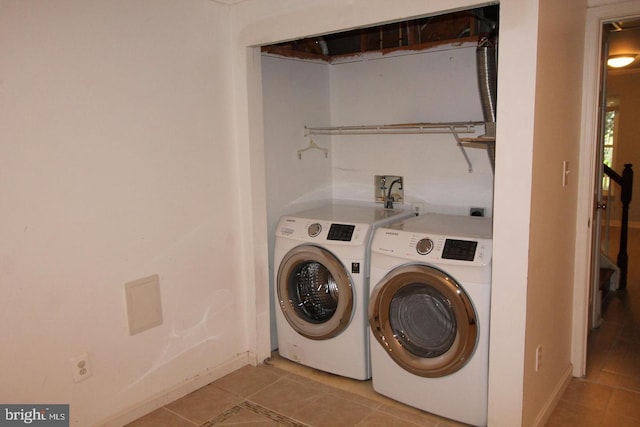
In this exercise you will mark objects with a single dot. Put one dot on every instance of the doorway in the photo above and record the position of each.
(587, 238)
(619, 103)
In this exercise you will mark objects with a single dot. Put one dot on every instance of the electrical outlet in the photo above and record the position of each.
(538, 357)
(80, 367)
(476, 211)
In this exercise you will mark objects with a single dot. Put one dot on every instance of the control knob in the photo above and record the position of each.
(314, 229)
(424, 246)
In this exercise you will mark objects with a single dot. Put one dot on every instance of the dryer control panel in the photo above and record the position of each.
(462, 250)
(438, 238)
(432, 247)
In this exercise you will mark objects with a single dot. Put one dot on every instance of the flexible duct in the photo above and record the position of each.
(486, 58)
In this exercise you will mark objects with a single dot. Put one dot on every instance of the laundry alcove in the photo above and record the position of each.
(425, 72)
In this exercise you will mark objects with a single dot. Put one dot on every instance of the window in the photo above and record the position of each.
(610, 134)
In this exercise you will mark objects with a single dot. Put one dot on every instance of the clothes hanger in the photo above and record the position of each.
(312, 146)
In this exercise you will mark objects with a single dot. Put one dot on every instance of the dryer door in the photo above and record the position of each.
(424, 320)
(315, 292)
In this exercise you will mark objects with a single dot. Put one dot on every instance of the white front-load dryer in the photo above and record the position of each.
(429, 314)
(321, 264)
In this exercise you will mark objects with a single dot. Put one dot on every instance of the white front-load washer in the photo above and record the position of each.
(321, 264)
(429, 314)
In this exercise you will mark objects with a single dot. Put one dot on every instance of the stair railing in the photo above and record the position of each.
(625, 181)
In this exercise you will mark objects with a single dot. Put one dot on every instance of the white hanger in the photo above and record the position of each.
(312, 146)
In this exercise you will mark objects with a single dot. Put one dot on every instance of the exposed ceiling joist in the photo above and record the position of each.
(415, 34)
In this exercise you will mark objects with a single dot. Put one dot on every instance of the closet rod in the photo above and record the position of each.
(405, 128)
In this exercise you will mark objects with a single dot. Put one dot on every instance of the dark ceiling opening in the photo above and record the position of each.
(415, 34)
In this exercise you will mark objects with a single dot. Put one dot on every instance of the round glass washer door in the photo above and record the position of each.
(424, 320)
(315, 292)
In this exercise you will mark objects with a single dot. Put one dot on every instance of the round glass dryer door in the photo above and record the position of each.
(424, 320)
(315, 292)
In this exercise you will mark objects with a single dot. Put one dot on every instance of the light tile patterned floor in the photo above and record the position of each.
(609, 395)
(282, 393)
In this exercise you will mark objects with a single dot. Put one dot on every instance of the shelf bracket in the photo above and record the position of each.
(461, 147)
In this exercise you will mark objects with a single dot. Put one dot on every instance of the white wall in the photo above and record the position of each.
(512, 208)
(295, 94)
(553, 206)
(439, 85)
(116, 162)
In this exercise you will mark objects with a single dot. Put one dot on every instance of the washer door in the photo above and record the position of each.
(315, 292)
(424, 320)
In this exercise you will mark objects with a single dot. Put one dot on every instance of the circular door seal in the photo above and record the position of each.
(424, 320)
(315, 292)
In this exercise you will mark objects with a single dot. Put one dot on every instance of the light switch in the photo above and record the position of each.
(565, 173)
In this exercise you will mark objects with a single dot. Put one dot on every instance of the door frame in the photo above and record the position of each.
(595, 18)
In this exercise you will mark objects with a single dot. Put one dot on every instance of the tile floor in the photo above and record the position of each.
(282, 393)
(609, 394)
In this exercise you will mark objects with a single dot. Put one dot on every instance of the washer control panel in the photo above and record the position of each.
(312, 230)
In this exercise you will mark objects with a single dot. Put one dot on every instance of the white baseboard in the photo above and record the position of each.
(160, 399)
(554, 398)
